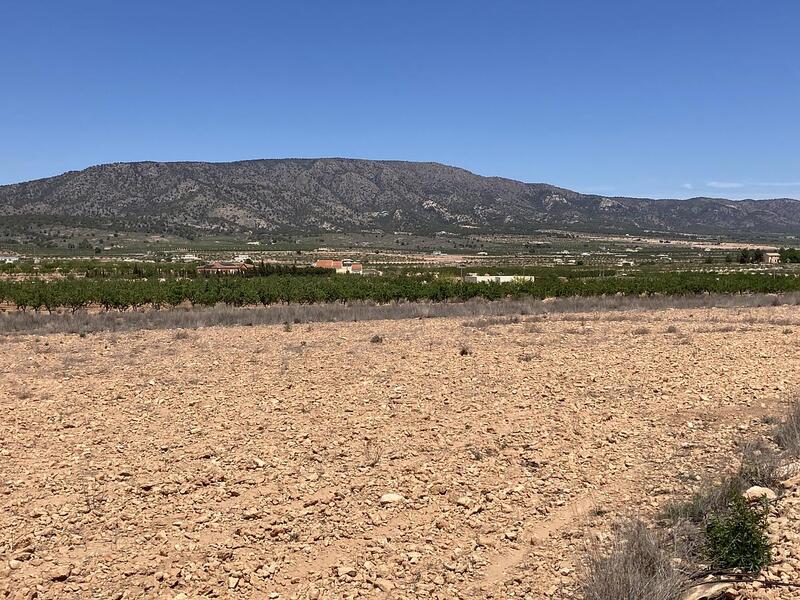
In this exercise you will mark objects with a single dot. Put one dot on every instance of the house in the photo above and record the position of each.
(486, 278)
(224, 268)
(772, 258)
(327, 263)
(352, 267)
(9, 259)
(340, 266)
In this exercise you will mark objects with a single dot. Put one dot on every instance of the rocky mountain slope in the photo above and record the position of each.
(334, 194)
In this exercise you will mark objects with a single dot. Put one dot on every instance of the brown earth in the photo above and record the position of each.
(251, 462)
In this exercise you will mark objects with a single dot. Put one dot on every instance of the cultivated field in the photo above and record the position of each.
(453, 458)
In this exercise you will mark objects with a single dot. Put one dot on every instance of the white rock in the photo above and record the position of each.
(757, 492)
(708, 590)
(391, 498)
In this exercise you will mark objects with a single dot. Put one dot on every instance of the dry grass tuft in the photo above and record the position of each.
(759, 465)
(486, 322)
(192, 318)
(638, 565)
(372, 454)
(787, 434)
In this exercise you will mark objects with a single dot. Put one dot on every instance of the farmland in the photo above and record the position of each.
(471, 458)
(293, 433)
(122, 294)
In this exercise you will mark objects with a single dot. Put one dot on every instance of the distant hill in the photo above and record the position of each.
(336, 194)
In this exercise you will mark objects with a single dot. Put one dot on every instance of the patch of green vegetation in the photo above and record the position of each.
(292, 285)
(736, 538)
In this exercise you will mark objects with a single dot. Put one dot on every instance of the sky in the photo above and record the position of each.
(669, 98)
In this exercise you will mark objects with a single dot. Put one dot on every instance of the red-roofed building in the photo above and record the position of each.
(340, 266)
(224, 268)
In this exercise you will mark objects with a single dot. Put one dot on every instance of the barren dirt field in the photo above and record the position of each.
(255, 462)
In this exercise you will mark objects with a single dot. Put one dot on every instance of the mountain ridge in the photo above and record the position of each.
(347, 194)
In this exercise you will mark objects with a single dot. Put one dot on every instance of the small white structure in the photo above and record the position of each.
(190, 258)
(772, 258)
(486, 278)
(351, 267)
(9, 259)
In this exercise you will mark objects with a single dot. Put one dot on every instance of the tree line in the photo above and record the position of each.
(122, 294)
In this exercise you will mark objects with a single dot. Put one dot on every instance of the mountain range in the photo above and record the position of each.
(347, 195)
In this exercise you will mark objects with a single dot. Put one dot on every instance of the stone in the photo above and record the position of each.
(391, 499)
(60, 573)
(346, 571)
(250, 514)
(384, 585)
(757, 493)
(707, 590)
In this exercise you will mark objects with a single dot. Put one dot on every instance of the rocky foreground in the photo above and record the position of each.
(453, 459)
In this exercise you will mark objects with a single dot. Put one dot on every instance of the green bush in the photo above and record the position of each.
(759, 466)
(736, 539)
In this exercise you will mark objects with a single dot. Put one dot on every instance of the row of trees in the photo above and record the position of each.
(96, 269)
(790, 255)
(751, 257)
(120, 294)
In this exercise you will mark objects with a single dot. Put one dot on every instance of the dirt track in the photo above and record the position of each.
(251, 461)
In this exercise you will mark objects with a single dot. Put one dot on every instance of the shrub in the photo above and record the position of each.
(759, 466)
(372, 454)
(376, 339)
(710, 499)
(638, 565)
(787, 435)
(737, 538)
(464, 350)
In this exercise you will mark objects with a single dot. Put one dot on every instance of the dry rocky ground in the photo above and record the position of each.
(453, 459)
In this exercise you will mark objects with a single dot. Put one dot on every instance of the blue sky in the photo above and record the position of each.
(660, 98)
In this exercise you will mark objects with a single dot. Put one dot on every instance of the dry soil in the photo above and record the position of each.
(454, 459)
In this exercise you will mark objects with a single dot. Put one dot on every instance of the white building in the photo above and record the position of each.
(772, 258)
(486, 278)
(9, 259)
